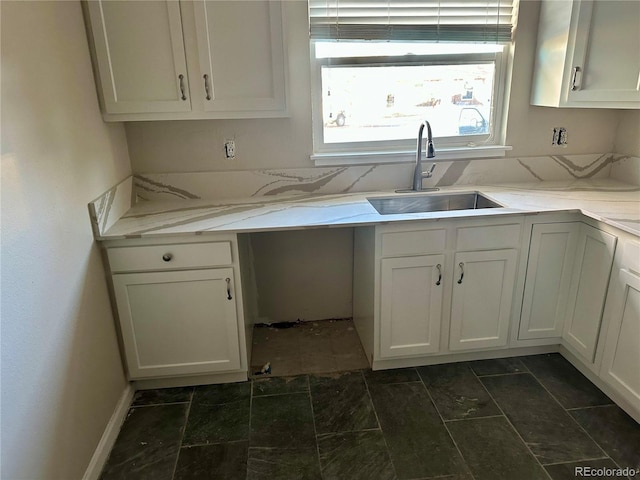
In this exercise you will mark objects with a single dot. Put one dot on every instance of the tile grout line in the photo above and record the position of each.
(315, 430)
(249, 433)
(330, 434)
(471, 418)
(576, 461)
(511, 424)
(184, 431)
(569, 414)
(384, 439)
(280, 394)
(158, 404)
(528, 370)
(444, 424)
(589, 407)
(211, 444)
(398, 383)
(499, 374)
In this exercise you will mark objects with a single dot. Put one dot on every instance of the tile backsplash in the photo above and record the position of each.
(362, 178)
(105, 210)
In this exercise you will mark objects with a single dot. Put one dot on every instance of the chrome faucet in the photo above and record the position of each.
(418, 174)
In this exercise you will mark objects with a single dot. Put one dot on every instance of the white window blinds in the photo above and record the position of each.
(476, 21)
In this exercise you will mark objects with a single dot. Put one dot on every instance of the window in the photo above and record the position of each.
(374, 82)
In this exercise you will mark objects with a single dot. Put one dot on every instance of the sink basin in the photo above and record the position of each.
(431, 203)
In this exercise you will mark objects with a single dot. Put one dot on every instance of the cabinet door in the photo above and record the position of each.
(176, 323)
(140, 55)
(482, 296)
(594, 257)
(607, 53)
(548, 278)
(241, 55)
(621, 360)
(410, 305)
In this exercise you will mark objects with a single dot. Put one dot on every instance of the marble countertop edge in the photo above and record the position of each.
(614, 203)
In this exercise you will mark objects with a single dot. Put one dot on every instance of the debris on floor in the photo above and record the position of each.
(265, 370)
(281, 325)
(298, 322)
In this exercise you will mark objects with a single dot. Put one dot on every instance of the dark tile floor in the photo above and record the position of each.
(514, 419)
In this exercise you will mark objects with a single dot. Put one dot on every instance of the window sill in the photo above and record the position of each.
(449, 154)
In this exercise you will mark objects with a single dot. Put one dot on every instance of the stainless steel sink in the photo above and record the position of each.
(431, 203)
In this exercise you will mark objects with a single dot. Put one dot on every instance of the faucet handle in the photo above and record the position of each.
(430, 172)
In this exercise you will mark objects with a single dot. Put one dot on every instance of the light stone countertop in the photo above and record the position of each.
(609, 201)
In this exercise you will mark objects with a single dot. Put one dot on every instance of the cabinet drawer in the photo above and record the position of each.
(488, 237)
(169, 257)
(413, 243)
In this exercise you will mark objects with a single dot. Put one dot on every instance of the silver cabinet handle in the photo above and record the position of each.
(181, 78)
(206, 87)
(461, 265)
(167, 257)
(228, 280)
(439, 267)
(574, 76)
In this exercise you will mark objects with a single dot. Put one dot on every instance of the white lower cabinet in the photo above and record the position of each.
(621, 358)
(410, 305)
(437, 287)
(178, 323)
(589, 283)
(548, 279)
(482, 298)
(179, 308)
(566, 281)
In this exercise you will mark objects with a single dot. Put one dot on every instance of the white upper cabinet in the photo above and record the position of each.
(241, 55)
(139, 50)
(189, 59)
(588, 54)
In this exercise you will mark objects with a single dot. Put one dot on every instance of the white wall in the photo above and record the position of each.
(61, 369)
(193, 146)
(306, 274)
(627, 141)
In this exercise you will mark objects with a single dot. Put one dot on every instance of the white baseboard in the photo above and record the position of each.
(462, 357)
(188, 381)
(109, 436)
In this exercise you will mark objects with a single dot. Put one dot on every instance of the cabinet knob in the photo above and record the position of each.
(439, 267)
(167, 257)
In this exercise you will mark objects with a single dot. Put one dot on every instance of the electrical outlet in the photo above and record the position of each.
(559, 137)
(230, 149)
